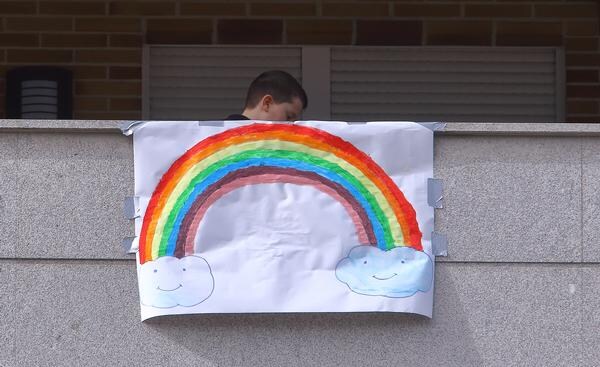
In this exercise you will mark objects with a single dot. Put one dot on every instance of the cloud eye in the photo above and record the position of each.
(365, 262)
(402, 261)
(155, 270)
(183, 269)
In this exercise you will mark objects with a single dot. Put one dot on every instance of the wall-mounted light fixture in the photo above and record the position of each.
(39, 92)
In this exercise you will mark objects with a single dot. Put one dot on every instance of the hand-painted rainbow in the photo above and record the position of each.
(261, 153)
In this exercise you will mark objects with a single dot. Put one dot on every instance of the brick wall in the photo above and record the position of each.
(101, 40)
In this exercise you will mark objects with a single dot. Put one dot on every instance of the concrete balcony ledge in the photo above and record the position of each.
(521, 212)
(451, 128)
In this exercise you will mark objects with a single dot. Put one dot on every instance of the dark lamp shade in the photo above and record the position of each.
(39, 92)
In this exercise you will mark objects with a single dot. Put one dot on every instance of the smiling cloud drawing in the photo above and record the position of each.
(399, 272)
(168, 282)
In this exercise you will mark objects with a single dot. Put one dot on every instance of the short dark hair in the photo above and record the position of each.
(279, 84)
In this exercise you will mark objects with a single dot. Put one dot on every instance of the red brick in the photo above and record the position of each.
(39, 24)
(470, 33)
(583, 91)
(583, 59)
(426, 10)
(88, 72)
(179, 31)
(592, 119)
(18, 40)
(385, 32)
(73, 7)
(17, 7)
(375, 9)
(141, 8)
(582, 28)
(90, 104)
(498, 10)
(319, 32)
(73, 40)
(125, 40)
(582, 107)
(249, 31)
(108, 24)
(582, 76)
(529, 34)
(581, 44)
(125, 104)
(209, 9)
(283, 9)
(39, 56)
(107, 88)
(125, 72)
(108, 56)
(566, 10)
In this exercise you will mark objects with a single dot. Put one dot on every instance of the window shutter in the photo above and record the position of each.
(499, 84)
(446, 84)
(207, 83)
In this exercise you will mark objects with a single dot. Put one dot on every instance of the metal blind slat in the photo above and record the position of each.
(443, 108)
(444, 117)
(465, 99)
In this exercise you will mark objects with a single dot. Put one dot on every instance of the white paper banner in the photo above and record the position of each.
(240, 217)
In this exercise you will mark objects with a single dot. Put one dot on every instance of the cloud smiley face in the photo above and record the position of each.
(400, 272)
(168, 282)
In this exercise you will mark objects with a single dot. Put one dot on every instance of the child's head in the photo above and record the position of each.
(275, 96)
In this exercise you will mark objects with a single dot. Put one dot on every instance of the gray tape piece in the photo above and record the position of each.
(128, 127)
(211, 123)
(439, 243)
(131, 207)
(435, 193)
(130, 245)
(434, 126)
